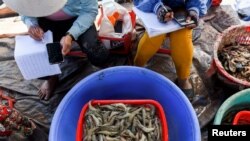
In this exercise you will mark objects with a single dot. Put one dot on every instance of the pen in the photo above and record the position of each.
(43, 40)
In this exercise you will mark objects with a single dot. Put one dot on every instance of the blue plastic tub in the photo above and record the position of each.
(127, 82)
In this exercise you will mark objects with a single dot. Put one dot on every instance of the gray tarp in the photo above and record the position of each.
(212, 94)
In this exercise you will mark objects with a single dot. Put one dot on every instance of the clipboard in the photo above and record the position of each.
(180, 17)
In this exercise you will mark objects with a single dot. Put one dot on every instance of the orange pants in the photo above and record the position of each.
(181, 46)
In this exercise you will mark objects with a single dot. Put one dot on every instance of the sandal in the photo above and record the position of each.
(188, 92)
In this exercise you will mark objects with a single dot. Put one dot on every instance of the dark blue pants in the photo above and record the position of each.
(96, 52)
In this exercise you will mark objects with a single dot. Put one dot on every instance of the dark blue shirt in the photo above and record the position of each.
(200, 6)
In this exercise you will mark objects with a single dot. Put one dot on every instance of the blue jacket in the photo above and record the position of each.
(200, 6)
(85, 10)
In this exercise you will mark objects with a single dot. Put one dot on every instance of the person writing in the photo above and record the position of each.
(180, 41)
(69, 20)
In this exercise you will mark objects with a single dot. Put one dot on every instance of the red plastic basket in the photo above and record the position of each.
(160, 112)
(242, 118)
(234, 34)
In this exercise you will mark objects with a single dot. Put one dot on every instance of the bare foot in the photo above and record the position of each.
(187, 88)
(184, 84)
(48, 88)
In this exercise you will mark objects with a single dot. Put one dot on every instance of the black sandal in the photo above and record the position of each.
(188, 92)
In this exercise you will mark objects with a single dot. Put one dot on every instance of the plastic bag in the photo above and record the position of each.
(113, 12)
(243, 9)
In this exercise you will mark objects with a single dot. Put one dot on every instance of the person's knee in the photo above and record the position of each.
(185, 32)
(97, 53)
(181, 38)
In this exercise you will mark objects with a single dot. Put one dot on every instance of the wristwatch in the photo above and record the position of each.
(70, 35)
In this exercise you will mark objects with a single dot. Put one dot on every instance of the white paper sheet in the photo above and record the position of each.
(32, 58)
(153, 26)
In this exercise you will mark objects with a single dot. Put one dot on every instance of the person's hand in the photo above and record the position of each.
(192, 15)
(164, 14)
(36, 32)
(66, 43)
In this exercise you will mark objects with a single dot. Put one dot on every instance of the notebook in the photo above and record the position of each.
(32, 58)
(152, 24)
